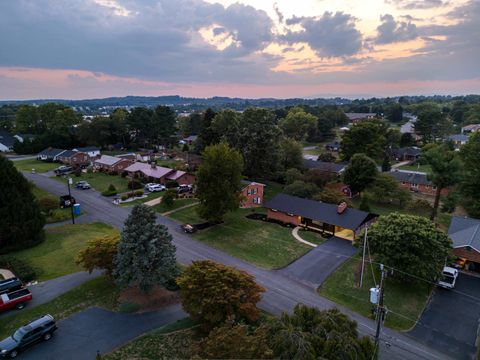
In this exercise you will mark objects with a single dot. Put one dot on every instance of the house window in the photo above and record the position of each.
(434, 187)
(249, 191)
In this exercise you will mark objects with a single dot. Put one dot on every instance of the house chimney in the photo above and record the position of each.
(341, 207)
(153, 165)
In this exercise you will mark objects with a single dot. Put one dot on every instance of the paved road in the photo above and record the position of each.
(282, 294)
(451, 319)
(314, 267)
(82, 334)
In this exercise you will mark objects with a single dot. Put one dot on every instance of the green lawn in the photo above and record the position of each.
(56, 255)
(57, 215)
(315, 151)
(261, 243)
(39, 166)
(311, 236)
(99, 181)
(173, 341)
(422, 168)
(97, 292)
(161, 208)
(405, 299)
(150, 196)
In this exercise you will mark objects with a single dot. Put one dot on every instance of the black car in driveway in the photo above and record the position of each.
(41, 329)
(66, 201)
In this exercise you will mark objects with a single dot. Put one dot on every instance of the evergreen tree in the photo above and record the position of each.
(22, 222)
(146, 255)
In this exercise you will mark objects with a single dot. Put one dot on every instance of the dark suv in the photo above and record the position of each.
(38, 330)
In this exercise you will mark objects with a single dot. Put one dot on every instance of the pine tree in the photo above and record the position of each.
(22, 222)
(146, 255)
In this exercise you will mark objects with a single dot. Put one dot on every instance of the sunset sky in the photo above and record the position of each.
(250, 48)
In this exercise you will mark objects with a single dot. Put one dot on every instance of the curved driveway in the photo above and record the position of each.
(282, 292)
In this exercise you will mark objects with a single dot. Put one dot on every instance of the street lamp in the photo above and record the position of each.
(70, 182)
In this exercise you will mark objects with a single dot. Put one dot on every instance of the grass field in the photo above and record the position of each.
(261, 243)
(173, 341)
(408, 300)
(57, 215)
(422, 168)
(311, 236)
(56, 255)
(161, 208)
(39, 166)
(97, 292)
(99, 181)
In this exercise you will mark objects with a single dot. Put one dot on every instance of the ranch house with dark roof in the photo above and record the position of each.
(330, 219)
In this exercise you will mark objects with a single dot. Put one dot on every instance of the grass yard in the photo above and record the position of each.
(150, 196)
(161, 208)
(99, 181)
(172, 164)
(422, 168)
(261, 243)
(97, 292)
(39, 166)
(56, 255)
(173, 341)
(405, 299)
(56, 215)
(315, 151)
(311, 236)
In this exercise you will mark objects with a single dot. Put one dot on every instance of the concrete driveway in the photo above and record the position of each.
(314, 267)
(81, 335)
(450, 320)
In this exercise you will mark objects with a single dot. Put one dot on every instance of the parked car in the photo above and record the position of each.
(190, 229)
(62, 170)
(449, 277)
(182, 189)
(28, 335)
(152, 187)
(82, 185)
(66, 201)
(10, 285)
(15, 299)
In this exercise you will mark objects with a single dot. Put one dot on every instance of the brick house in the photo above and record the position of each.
(355, 118)
(74, 158)
(328, 168)
(465, 235)
(111, 164)
(416, 182)
(411, 153)
(91, 151)
(252, 194)
(329, 219)
(160, 174)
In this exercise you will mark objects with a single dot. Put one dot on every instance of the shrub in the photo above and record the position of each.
(99, 254)
(419, 207)
(111, 191)
(89, 170)
(20, 268)
(125, 197)
(128, 307)
(124, 174)
(171, 184)
(138, 193)
(48, 204)
(58, 215)
(169, 197)
(78, 172)
(134, 184)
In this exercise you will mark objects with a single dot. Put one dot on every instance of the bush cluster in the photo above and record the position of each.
(19, 267)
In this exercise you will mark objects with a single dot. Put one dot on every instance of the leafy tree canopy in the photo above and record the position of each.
(360, 172)
(470, 155)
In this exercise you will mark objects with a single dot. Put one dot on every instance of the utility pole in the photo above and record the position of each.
(380, 307)
(69, 182)
(363, 256)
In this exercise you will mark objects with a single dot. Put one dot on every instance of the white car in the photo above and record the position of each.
(152, 187)
(449, 277)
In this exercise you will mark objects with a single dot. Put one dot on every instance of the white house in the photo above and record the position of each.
(6, 141)
(92, 151)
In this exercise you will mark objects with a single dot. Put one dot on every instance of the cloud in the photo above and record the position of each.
(391, 31)
(330, 35)
(417, 4)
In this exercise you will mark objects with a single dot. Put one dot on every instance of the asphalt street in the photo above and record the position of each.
(314, 267)
(81, 335)
(450, 321)
(282, 292)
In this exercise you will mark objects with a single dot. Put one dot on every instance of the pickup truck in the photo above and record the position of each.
(62, 170)
(10, 285)
(15, 299)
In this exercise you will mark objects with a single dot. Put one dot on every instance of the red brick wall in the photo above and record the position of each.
(423, 189)
(247, 199)
(79, 158)
(121, 165)
(287, 219)
(186, 179)
(470, 255)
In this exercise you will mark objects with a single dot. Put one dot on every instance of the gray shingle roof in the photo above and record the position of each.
(107, 160)
(68, 153)
(465, 232)
(324, 166)
(319, 211)
(410, 177)
(407, 151)
(6, 139)
(52, 152)
(458, 137)
(88, 148)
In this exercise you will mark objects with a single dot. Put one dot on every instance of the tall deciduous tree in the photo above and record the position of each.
(445, 170)
(146, 254)
(212, 293)
(297, 124)
(21, 221)
(470, 155)
(310, 333)
(291, 154)
(432, 123)
(385, 189)
(99, 254)
(165, 125)
(411, 244)
(360, 172)
(219, 182)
